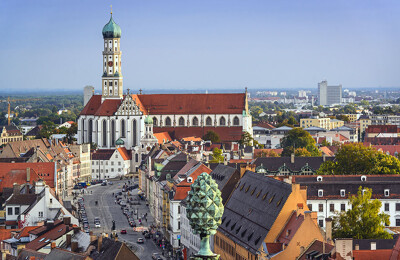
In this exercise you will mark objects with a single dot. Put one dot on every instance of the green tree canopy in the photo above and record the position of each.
(363, 220)
(298, 138)
(217, 156)
(211, 136)
(359, 159)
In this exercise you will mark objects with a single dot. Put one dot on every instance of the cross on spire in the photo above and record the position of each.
(111, 8)
(140, 91)
(128, 90)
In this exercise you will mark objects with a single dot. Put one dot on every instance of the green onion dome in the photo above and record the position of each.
(120, 142)
(148, 120)
(111, 30)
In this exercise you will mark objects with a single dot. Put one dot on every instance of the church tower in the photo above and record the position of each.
(112, 76)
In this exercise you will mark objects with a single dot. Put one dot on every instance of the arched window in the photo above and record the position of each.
(112, 133)
(83, 131)
(168, 121)
(208, 121)
(104, 133)
(195, 121)
(122, 128)
(235, 120)
(90, 130)
(134, 133)
(222, 121)
(155, 122)
(181, 121)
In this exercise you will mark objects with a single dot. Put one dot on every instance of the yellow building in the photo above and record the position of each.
(9, 133)
(261, 213)
(364, 123)
(352, 117)
(325, 123)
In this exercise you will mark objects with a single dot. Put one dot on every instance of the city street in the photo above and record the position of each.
(108, 210)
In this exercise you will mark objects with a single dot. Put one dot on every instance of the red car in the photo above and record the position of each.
(123, 231)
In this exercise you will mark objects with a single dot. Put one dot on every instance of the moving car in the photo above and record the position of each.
(123, 231)
(97, 224)
(140, 240)
(110, 183)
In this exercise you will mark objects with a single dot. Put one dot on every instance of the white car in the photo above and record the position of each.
(97, 224)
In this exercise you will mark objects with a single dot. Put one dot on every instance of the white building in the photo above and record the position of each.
(110, 163)
(329, 95)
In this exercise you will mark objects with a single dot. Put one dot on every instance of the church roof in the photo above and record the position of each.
(174, 104)
(232, 133)
(108, 107)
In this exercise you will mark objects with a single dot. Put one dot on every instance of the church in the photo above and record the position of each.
(117, 118)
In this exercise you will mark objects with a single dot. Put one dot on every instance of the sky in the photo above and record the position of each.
(203, 44)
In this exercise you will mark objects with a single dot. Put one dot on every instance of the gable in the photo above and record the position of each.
(129, 107)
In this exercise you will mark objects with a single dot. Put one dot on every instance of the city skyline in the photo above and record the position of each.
(203, 45)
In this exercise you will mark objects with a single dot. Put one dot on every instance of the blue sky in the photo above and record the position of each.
(207, 44)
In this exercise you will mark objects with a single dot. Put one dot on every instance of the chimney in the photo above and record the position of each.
(74, 246)
(16, 188)
(357, 247)
(324, 157)
(69, 238)
(67, 221)
(53, 245)
(30, 258)
(328, 230)
(28, 174)
(292, 158)
(299, 209)
(225, 160)
(99, 243)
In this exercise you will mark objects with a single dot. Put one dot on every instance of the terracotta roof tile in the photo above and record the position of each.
(163, 137)
(233, 133)
(103, 154)
(372, 254)
(48, 237)
(173, 104)
(108, 107)
(6, 233)
(25, 231)
(124, 153)
(92, 106)
(191, 138)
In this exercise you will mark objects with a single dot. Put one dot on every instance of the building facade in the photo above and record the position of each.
(329, 95)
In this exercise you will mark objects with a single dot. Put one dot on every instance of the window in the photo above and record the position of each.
(386, 206)
(342, 207)
(320, 193)
(40, 214)
(51, 201)
(397, 206)
(386, 192)
(16, 210)
(119, 163)
(321, 207)
(235, 120)
(208, 121)
(122, 128)
(112, 162)
(181, 121)
(155, 122)
(9, 211)
(179, 209)
(363, 178)
(179, 225)
(342, 193)
(310, 207)
(332, 207)
(321, 222)
(397, 222)
(195, 121)
(168, 121)
(222, 121)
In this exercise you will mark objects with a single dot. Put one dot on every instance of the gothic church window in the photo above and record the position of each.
(104, 133)
(181, 121)
(195, 121)
(90, 131)
(155, 122)
(168, 121)
(134, 132)
(235, 120)
(208, 121)
(112, 133)
(122, 128)
(222, 121)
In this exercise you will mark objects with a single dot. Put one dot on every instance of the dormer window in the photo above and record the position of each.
(320, 193)
(189, 179)
(342, 193)
(386, 192)
(319, 178)
(363, 178)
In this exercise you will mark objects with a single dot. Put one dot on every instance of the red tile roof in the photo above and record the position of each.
(174, 104)
(274, 248)
(184, 186)
(92, 105)
(372, 254)
(233, 133)
(11, 173)
(25, 231)
(124, 153)
(382, 129)
(291, 228)
(266, 125)
(325, 150)
(103, 154)
(163, 137)
(191, 138)
(181, 192)
(48, 237)
(108, 107)
(6, 233)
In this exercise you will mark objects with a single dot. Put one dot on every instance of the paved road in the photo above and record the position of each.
(107, 210)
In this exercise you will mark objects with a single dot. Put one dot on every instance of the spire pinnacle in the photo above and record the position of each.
(111, 9)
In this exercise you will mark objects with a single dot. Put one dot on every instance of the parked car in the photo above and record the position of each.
(104, 184)
(140, 240)
(110, 183)
(156, 256)
(97, 224)
(123, 231)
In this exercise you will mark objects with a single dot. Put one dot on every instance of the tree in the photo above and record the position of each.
(364, 103)
(71, 132)
(302, 152)
(362, 220)
(343, 118)
(217, 156)
(298, 138)
(47, 130)
(211, 136)
(246, 139)
(325, 143)
(359, 159)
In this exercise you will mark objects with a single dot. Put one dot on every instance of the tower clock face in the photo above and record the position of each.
(110, 63)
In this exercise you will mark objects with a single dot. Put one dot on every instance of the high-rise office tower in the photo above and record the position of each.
(329, 95)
